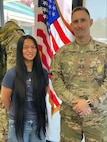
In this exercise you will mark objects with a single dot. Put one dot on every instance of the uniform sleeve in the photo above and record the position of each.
(57, 80)
(100, 96)
(9, 78)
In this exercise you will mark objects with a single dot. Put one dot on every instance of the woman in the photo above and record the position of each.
(23, 91)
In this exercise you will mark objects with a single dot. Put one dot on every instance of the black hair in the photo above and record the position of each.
(39, 90)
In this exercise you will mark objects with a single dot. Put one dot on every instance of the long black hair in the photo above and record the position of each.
(39, 90)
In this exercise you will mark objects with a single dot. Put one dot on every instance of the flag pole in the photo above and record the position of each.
(2, 14)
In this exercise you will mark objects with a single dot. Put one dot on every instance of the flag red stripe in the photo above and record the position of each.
(53, 98)
(43, 57)
(55, 46)
(43, 36)
(40, 17)
(61, 33)
(44, 60)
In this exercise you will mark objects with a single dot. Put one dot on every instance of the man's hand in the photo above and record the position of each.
(81, 107)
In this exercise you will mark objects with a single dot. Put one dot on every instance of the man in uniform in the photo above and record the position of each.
(79, 78)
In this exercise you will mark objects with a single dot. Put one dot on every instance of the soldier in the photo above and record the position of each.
(79, 77)
(9, 35)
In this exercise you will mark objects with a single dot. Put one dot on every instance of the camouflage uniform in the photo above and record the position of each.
(79, 71)
(3, 123)
(9, 35)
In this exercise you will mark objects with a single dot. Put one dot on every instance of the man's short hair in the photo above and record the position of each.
(78, 8)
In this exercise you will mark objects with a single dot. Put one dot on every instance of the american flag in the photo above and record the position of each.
(52, 33)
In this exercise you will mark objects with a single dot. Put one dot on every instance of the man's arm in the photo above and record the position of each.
(57, 80)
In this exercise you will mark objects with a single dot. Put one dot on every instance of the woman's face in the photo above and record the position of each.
(29, 50)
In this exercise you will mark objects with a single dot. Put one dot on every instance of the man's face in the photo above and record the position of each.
(81, 23)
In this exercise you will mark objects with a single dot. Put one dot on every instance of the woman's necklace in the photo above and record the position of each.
(29, 78)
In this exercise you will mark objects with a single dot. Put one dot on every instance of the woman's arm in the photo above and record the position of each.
(6, 96)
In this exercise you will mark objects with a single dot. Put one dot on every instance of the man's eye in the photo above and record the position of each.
(75, 22)
(83, 20)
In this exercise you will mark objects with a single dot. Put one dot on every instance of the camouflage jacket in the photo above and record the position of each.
(79, 71)
(9, 36)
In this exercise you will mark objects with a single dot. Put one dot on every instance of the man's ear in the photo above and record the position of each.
(91, 22)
